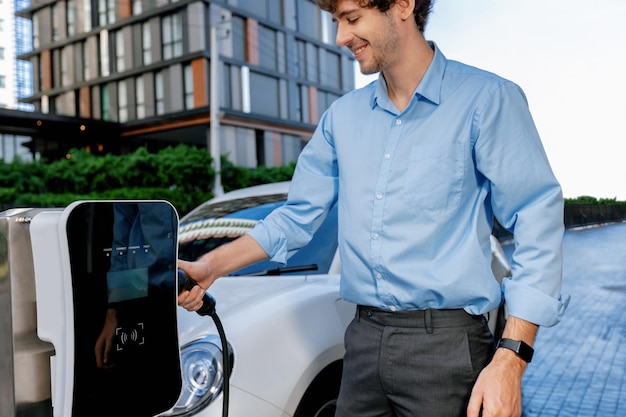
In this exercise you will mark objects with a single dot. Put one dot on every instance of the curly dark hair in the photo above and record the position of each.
(421, 11)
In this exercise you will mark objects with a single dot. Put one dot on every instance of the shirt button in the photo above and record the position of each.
(387, 156)
(378, 275)
(375, 236)
(398, 122)
(393, 308)
(379, 196)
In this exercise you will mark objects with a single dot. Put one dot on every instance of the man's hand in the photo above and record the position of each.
(191, 298)
(498, 389)
(219, 262)
(104, 342)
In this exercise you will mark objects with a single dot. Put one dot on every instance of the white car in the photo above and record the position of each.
(284, 325)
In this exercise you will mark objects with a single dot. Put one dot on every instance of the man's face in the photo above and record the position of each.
(370, 35)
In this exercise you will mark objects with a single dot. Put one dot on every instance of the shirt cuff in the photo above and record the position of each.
(533, 305)
(271, 241)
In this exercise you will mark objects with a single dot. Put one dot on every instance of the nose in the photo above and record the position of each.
(343, 35)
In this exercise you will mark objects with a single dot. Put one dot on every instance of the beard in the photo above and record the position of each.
(383, 47)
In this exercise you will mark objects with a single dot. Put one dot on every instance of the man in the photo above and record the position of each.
(419, 163)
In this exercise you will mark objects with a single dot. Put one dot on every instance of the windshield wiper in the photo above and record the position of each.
(280, 271)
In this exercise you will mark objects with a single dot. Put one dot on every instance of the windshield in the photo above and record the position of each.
(212, 225)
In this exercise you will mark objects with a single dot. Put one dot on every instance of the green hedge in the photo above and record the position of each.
(181, 175)
(585, 199)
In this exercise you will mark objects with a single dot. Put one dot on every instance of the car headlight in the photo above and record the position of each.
(203, 376)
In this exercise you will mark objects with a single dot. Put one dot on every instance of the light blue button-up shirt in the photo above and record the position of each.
(417, 191)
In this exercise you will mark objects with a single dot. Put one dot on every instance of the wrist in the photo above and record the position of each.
(521, 349)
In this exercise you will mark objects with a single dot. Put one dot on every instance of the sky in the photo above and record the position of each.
(569, 57)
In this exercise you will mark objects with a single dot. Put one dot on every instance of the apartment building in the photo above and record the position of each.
(7, 56)
(14, 77)
(23, 42)
(146, 65)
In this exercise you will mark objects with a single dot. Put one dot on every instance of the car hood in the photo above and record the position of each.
(243, 295)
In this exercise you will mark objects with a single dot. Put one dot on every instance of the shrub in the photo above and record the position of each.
(181, 175)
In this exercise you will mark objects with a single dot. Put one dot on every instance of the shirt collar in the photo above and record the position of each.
(430, 86)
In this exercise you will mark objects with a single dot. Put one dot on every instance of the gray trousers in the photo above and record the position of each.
(414, 363)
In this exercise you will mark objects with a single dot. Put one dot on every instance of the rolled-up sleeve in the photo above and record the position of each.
(312, 192)
(527, 200)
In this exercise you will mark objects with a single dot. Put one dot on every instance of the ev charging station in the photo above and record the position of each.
(88, 322)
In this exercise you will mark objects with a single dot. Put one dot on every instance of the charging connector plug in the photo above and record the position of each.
(208, 301)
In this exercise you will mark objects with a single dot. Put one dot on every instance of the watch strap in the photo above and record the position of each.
(521, 349)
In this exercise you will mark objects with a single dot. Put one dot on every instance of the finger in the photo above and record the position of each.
(107, 352)
(191, 300)
(184, 265)
(98, 351)
(185, 299)
(474, 406)
(198, 297)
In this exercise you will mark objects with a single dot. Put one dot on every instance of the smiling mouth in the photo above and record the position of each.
(357, 52)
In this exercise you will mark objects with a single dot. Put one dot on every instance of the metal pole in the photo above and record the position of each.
(214, 145)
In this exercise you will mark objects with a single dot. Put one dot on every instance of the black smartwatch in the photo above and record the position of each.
(521, 349)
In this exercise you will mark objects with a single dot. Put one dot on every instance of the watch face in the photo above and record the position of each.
(526, 352)
(523, 350)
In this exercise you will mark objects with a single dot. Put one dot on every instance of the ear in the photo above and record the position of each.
(405, 8)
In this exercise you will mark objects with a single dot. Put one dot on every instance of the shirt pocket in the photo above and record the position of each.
(434, 179)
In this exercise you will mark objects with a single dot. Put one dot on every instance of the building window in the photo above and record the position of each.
(331, 70)
(188, 75)
(3, 81)
(172, 32)
(312, 62)
(85, 55)
(291, 148)
(39, 69)
(329, 31)
(55, 22)
(238, 37)
(275, 11)
(159, 93)
(86, 15)
(301, 63)
(137, 7)
(2, 53)
(146, 43)
(14, 146)
(268, 56)
(35, 30)
(324, 100)
(106, 12)
(65, 61)
(104, 102)
(308, 18)
(122, 102)
(105, 70)
(140, 98)
(266, 9)
(264, 94)
(256, 7)
(70, 14)
(119, 51)
(304, 103)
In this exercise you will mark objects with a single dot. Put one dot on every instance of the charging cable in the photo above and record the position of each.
(208, 309)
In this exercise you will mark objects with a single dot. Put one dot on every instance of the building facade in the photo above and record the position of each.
(8, 98)
(15, 76)
(147, 66)
(23, 41)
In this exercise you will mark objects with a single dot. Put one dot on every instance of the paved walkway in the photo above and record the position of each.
(579, 368)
